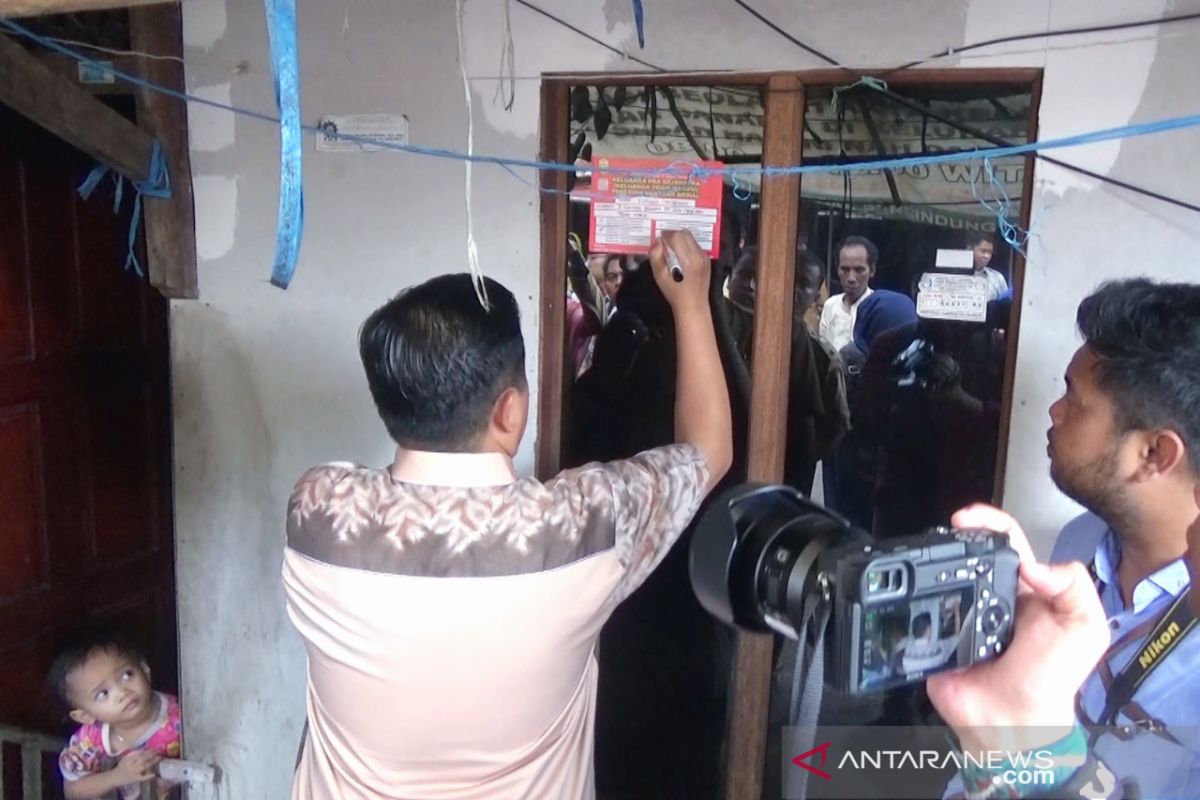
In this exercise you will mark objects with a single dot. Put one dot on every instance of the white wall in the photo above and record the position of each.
(267, 382)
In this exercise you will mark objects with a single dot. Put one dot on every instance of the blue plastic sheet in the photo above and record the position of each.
(281, 28)
(157, 184)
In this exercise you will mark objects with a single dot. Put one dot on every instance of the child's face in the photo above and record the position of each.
(110, 687)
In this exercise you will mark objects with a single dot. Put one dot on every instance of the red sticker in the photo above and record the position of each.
(628, 211)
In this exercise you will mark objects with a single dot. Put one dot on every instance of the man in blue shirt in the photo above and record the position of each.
(1125, 443)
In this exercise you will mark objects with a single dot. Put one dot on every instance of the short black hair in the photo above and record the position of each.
(980, 236)
(922, 624)
(864, 243)
(807, 262)
(1146, 336)
(436, 360)
(76, 649)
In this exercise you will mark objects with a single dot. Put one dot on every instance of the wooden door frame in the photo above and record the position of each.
(782, 144)
(35, 87)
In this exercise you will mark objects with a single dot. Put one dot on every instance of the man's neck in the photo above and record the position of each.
(1147, 547)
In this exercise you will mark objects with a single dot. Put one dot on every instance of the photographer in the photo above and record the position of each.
(1125, 444)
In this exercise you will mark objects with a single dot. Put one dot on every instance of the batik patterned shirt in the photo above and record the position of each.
(450, 614)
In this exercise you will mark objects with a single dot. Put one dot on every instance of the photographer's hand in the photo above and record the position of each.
(986, 517)
(1024, 699)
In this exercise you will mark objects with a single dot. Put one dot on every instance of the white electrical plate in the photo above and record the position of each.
(390, 128)
(96, 72)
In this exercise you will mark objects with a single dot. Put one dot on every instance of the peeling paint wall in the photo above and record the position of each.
(267, 382)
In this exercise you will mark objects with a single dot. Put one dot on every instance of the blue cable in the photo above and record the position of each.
(999, 205)
(676, 168)
(679, 167)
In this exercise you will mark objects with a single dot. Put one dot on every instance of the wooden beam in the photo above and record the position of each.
(37, 8)
(35, 91)
(928, 78)
(553, 375)
(170, 221)
(750, 690)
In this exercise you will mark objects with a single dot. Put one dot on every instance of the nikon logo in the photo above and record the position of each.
(1156, 647)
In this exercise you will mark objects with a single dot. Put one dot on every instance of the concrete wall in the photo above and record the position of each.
(267, 382)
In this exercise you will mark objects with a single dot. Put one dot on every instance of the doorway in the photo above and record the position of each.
(86, 536)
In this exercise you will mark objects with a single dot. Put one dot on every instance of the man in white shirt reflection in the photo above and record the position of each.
(857, 258)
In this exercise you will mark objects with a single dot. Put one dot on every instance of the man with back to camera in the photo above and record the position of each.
(1124, 443)
(857, 258)
(450, 610)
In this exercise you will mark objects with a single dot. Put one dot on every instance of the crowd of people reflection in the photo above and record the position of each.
(898, 414)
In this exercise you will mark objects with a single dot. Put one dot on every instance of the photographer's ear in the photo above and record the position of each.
(1160, 453)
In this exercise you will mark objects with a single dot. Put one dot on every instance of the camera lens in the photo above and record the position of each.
(993, 620)
(753, 557)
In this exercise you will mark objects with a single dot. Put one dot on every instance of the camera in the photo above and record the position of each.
(765, 558)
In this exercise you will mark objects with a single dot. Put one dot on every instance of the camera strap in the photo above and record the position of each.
(808, 684)
(1169, 630)
(818, 611)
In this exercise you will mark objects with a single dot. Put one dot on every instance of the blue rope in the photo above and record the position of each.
(281, 30)
(740, 190)
(92, 181)
(639, 19)
(1001, 206)
(292, 201)
(679, 167)
(156, 184)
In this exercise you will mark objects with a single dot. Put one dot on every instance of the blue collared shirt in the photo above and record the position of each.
(1171, 694)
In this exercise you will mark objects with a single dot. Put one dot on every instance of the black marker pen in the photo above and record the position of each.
(674, 266)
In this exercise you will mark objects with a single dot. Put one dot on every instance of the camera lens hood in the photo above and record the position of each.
(732, 541)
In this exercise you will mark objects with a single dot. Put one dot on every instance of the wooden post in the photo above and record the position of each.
(552, 356)
(750, 689)
(170, 222)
